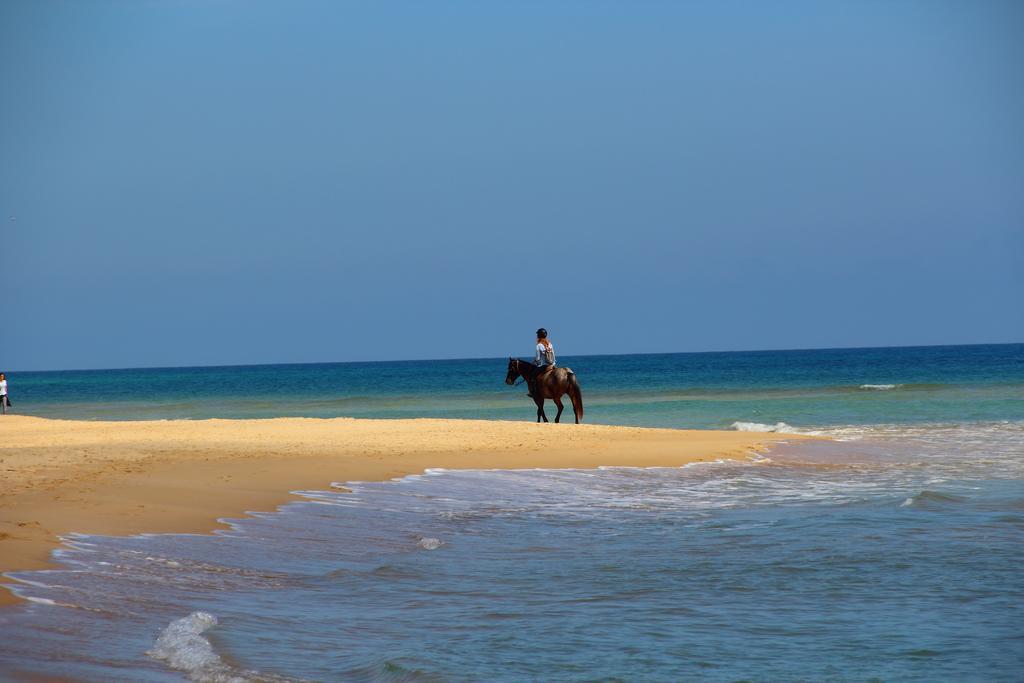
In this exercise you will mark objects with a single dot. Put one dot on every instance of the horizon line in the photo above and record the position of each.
(576, 355)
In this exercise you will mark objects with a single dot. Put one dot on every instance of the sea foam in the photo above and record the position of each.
(780, 427)
(183, 647)
(879, 387)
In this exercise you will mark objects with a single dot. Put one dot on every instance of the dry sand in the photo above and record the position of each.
(62, 476)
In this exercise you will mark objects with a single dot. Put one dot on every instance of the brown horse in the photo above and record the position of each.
(550, 383)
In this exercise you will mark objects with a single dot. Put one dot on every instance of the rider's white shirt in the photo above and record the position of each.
(538, 358)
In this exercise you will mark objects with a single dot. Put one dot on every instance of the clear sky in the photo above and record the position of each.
(188, 182)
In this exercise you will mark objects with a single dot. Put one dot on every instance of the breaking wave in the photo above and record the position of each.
(779, 427)
(879, 387)
(932, 499)
(182, 646)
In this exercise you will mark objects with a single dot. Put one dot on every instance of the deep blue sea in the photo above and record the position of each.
(892, 552)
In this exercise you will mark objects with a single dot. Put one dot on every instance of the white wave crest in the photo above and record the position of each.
(879, 387)
(780, 427)
(41, 601)
(430, 543)
(183, 647)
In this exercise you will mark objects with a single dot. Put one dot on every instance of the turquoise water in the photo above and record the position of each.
(891, 553)
(702, 390)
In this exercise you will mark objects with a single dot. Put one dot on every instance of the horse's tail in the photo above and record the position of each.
(575, 396)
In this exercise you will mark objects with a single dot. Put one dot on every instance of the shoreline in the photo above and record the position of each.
(182, 476)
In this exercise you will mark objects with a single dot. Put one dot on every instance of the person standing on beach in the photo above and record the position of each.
(544, 358)
(3, 393)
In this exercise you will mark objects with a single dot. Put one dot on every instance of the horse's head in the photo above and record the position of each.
(513, 371)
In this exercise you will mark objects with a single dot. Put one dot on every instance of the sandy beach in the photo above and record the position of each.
(61, 476)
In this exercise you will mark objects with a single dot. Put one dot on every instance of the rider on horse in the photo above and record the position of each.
(544, 358)
(546, 382)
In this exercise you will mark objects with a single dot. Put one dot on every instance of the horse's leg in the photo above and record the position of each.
(558, 402)
(540, 408)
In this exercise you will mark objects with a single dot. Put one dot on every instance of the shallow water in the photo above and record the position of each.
(891, 553)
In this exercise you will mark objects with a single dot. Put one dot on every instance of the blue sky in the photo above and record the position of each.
(247, 182)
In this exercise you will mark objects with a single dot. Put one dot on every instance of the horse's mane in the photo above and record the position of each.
(529, 364)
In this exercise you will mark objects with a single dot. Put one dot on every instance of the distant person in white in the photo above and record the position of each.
(3, 393)
(545, 355)
(544, 358)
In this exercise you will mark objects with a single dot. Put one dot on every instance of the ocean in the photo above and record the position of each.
(891, 552)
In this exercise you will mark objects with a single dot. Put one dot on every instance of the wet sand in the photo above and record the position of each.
(115, 478)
